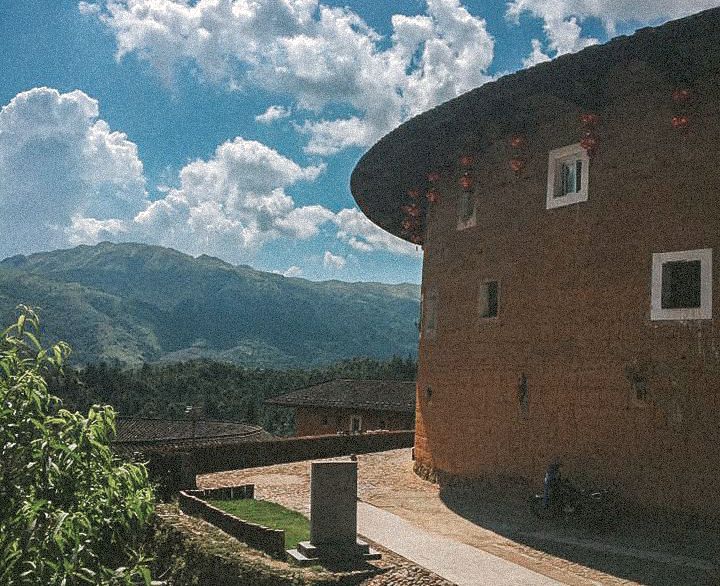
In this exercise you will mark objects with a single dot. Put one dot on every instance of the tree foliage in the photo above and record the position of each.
(219, 390)
(71, 512)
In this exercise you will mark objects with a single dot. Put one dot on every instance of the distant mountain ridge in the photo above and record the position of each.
(132, 303)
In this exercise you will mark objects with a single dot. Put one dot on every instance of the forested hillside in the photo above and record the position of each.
(216, 390)
(129, 304)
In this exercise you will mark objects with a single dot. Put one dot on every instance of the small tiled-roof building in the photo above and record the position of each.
(351, 406)
(157, 435)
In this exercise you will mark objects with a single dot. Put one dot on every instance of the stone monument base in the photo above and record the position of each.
(308, 554)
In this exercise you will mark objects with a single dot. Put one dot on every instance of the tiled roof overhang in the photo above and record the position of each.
(682, 51)
(139, 430)
(374, 395)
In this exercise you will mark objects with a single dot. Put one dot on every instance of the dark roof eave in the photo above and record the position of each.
(433, 139)
(328, 405)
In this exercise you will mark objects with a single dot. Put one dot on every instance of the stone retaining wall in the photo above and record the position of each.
(177, 468)
(191, 502)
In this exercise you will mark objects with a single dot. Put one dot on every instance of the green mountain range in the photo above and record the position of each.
(134, 303)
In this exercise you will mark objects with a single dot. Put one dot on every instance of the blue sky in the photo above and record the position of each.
(143, 119)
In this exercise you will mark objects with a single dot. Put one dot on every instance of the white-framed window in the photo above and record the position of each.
(466, 210)
(568, 176)
(489, 299)
(681, 285)
(355, 424)
(429, 313)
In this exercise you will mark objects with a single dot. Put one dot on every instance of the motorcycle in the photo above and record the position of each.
(561, 499)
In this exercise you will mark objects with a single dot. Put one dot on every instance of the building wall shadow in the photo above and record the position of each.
(647, 547)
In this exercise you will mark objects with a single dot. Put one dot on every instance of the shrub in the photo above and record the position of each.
(71, 512)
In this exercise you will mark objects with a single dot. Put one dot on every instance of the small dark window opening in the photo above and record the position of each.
(578, 176)
(640, 388)
(466, 207)
(325, 420)
(523, 395)
(489, 301)
(680, 284)
(428, 393)
(570, 178)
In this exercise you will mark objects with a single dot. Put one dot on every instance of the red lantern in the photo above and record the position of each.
(413, 193)
(589, 119)
(681, 95)
(433, 196)
(467, 161)
(517, 141)
(466, 182)
(680, 122)
(517, 165)
(589, 142)
(412, 210)
(408, 225)
(433, 177)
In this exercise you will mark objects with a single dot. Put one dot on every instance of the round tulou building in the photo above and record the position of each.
(570, 220)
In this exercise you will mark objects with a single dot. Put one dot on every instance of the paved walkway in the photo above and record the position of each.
(500, 527)
(449, 559)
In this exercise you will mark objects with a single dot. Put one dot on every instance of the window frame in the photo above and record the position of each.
(555, 159)
(657, 312)
(471, 220)
(483, 284)
(429, 305)
(353, 419)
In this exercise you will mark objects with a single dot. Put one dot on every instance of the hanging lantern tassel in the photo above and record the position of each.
(680, 122)
(589, 140)
(411, 210)
(408, 225)
(518, 142)
(589, 120)
(466, 181)
(681, 95)
(681, 119)
(517, 165)
(467, 161)
(433, 196)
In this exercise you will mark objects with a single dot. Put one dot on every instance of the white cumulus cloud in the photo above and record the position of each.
(358, 232)
(272, 114)
(332, 261)
(293, 271)
(92, 230)
(65, 175)
(562, 19)
(318, 55)
(66, 178)
(88, 8)
(536, 56)
(233, 203)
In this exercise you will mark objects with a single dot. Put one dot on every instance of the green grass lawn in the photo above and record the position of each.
(296, 527)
